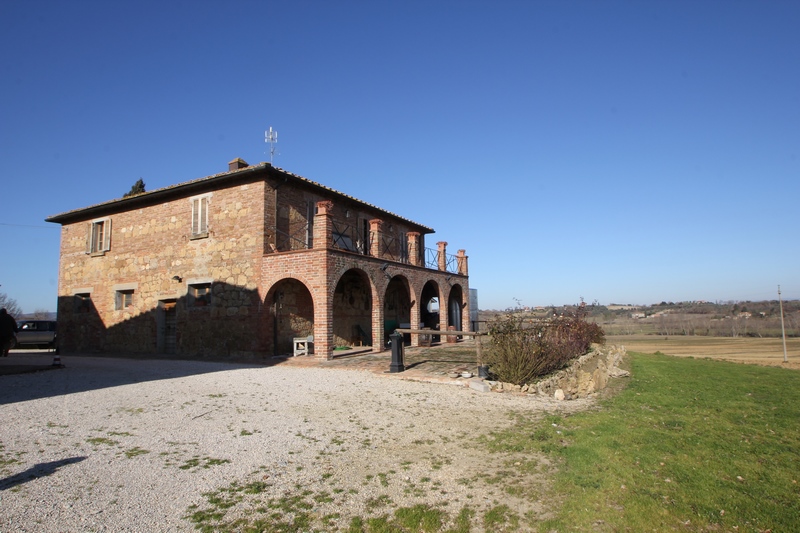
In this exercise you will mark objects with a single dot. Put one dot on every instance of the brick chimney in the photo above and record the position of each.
(237, 163)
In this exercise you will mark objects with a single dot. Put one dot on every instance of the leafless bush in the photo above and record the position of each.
(522, 350)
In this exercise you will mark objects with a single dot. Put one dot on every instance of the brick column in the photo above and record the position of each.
(323, 307)
(323, 330)
(413, 248)
(414, 320)
(323, 226)
(376, 237)
(378, 341)
(461, 259)
(442, 255)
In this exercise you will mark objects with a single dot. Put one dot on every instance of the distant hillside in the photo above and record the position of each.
(719, 319)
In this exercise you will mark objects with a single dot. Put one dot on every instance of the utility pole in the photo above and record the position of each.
(783, 329)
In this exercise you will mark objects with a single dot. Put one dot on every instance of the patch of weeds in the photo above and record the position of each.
(323, 497)
(330, 519)
(131, 410)
(463, 521)
(54, 425)
(202, 462)
(7, 459)
(312, 439)
(420, 517)
(221, 395)
(133, 452)
(381, 501)
(326, 476)
(501, 518)
(244, 433)
(384, 478)
(120, 434)
(96, 441)
(337, 441)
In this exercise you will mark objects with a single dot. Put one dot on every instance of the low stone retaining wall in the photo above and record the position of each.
(588, 374)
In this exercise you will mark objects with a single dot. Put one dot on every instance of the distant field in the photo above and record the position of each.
(753, 350)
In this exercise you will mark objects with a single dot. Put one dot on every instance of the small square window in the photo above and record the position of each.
(123, 299)
(83, 303)
(199, 295)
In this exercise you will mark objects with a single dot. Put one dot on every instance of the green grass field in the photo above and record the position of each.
(688, 445)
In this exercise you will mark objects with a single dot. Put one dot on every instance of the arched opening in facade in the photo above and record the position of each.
(292, 314)
(352, 310)
(429, 306)
(455, 303)
(397, 308)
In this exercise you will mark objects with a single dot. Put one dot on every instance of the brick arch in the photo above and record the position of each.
(398, 305)
(290, 311)
(455, 306)
(353, 300)
(428, 318)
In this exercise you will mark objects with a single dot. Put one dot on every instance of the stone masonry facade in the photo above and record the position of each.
(244, 262)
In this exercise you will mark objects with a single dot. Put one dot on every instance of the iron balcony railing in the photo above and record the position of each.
(347, 237)
(432, 261)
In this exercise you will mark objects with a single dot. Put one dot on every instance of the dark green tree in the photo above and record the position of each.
(138, 188)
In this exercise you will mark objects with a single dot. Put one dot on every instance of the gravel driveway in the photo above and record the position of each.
(145, 445)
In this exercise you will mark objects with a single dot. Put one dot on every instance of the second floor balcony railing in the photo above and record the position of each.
(348, 238)
(288, 242)
(433, 261)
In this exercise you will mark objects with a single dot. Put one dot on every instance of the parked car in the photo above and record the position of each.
(37, 333)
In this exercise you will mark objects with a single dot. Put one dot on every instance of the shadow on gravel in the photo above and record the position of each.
(21, 379)
(37, 471)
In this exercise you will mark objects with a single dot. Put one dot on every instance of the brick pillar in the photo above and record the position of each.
(413, 248)
(323, 226)
(461, 259)
(376, 237)
(378, 341)
(442, 255)
(323, 330)
(323, 307)
(414, 320)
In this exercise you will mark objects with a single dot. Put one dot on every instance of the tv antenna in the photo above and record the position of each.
(271, 137)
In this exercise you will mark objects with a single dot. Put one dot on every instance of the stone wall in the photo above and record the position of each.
(588, 374)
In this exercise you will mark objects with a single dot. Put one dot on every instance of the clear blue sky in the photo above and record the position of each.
(626, 152)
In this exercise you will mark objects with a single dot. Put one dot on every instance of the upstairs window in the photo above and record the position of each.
(99, 240)
(200, 217)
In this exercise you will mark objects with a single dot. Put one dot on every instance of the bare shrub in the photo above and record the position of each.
(522, 350)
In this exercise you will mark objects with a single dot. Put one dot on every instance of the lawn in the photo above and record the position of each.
(688, 445)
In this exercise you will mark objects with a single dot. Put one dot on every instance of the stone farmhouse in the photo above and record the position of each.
(247, 263)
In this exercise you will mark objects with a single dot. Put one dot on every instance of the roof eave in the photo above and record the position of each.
(151, 197)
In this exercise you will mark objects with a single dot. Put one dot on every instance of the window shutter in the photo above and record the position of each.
(107, 235)
(204, 215)
(195, 203)
(89, 231)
